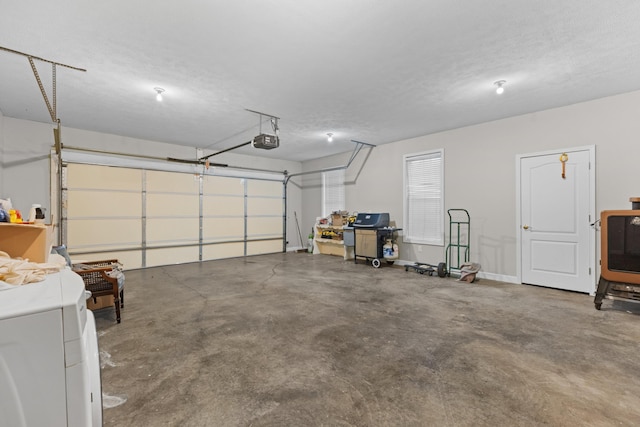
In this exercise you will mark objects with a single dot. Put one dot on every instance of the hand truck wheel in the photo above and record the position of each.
(442, 269)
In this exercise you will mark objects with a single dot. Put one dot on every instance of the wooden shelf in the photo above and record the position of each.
(331, 227)
(328, 246)
(330, 241)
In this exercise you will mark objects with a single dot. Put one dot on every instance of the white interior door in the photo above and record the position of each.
(555, 214)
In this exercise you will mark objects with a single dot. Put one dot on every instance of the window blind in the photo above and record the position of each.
(423, 198)
(332, 192)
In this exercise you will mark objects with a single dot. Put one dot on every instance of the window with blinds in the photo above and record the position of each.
(332, 192)
(424, 198)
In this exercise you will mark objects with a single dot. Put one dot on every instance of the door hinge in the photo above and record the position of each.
(589, 271)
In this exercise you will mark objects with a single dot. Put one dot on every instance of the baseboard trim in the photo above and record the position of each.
(498, 277)
(481, 274)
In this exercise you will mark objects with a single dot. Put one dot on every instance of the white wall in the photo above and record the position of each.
(480, 170)
(25, 170)
(25, 162)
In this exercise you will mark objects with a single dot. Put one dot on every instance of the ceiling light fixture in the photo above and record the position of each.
(330, 137)
(500, 86)
(159, 91)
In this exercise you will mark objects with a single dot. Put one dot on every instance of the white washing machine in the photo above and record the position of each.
(49, 360)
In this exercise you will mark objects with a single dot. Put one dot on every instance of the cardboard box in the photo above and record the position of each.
(100, 302)
(337, 220)
(28, 241)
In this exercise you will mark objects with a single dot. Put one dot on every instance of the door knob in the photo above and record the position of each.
(526, 227)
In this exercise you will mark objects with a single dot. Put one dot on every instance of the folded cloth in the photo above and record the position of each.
(468, 271)
(118, 274)
(18, 271)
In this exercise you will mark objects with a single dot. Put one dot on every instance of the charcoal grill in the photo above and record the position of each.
(371, 230)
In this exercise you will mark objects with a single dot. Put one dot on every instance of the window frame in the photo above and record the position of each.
(437, 237)
(340, 188)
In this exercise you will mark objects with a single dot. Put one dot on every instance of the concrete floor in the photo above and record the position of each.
(311, 340)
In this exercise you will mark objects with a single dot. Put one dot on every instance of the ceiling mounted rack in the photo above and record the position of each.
(51, 106)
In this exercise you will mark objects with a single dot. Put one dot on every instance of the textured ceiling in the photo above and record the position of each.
(369, 70)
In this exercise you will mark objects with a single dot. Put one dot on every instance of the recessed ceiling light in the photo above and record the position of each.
(159, 91)
(330, 137)
(500, 86)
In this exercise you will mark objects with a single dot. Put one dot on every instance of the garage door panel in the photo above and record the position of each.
(222, 205)
(101, 233)
(223, 250)
(264, 226)
(172, 182)
(103, 204)
(172, 205)
(223, 185)
(222, 228)
(172, 230)
(264, 206)
(264, 188)
(129, 259)
(264, 247)
(172, 256)
(103, 177)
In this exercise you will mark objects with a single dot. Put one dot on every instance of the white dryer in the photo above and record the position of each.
(49, 360)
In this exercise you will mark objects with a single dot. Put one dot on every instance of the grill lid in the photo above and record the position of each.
(372, 220)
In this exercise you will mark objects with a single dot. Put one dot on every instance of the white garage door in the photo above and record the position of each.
(103, 211)
(172, 218)
(147, 218)
(223, 226)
